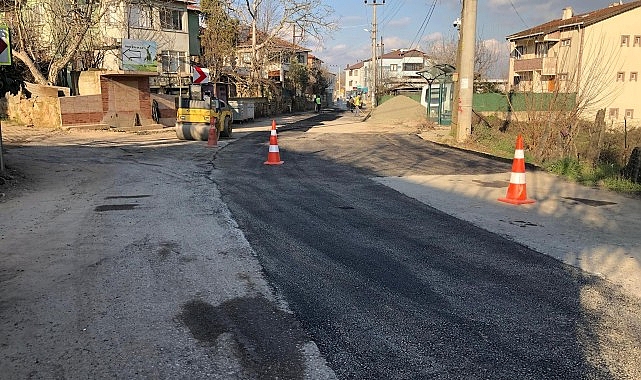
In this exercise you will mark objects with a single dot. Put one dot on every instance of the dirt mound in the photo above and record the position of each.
(399, 110)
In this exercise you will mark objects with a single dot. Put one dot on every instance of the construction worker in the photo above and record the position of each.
(357, 104)
(318, 103)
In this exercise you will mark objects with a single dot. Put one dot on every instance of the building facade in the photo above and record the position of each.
(397, 70)
(596, 55)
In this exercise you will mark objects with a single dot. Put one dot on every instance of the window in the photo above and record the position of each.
(140, 16)
(351, 73)
(614, 113)
(629, 114)
(565, 42)
(563, 76)
(393, 67)
(174, 61)
(518, 52)
(620, 76)
(637, 41)
(171, 19)
(350, 83)
(541, 49)
(625, 40)
(633, 77)
(412, 66)
(246, 57)
(356, 72)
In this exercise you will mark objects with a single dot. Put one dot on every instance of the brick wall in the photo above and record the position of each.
(79, 110)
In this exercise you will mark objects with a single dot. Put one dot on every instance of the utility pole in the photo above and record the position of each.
(465, 68)
(373, 81)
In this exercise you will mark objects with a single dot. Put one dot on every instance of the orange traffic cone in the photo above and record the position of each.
(212, 139)
(273, 157)
(516, 193)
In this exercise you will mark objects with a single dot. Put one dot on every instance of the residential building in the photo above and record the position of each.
(274, 57)
(171, 27)
(355, 78)
(400, 67)
(398, 71)
(595, 55)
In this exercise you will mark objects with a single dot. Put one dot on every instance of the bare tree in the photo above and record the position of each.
(48, 34)
(444, 51)
(275, 19)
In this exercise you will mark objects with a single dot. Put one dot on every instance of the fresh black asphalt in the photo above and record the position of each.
(388, 287)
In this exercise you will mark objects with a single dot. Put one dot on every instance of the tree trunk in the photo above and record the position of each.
(37, 75)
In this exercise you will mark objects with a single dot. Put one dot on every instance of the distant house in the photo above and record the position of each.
(595, 55)
(274, 58)
(355, 78)
(397, 69)
(400, 69)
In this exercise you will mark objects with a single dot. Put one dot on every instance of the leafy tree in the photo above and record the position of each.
(218, 37)
(319, 81)
(299, 77)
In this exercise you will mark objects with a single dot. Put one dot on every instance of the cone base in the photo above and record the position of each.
(273, 162)
(517, 201)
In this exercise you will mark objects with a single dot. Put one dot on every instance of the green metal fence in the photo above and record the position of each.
(492, 102)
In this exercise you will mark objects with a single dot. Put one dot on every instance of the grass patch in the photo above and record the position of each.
(605, 175)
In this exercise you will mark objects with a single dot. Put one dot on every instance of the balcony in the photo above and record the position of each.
(547, 65)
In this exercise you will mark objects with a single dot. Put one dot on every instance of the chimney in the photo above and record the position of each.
(567, 13)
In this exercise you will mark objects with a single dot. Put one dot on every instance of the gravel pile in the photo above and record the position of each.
(399, 110)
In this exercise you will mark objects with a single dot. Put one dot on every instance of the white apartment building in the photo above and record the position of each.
(595, 55)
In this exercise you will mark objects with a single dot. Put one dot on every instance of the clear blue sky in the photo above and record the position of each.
(411, 23)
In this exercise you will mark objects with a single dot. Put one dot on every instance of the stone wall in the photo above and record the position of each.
(37, 111)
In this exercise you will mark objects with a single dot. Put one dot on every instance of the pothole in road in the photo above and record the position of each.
(497, 184)
(590, 202)
(523, 223)
(268, 338)
(127, 196)
(125, 207)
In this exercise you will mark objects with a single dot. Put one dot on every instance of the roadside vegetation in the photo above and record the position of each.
(597, 156)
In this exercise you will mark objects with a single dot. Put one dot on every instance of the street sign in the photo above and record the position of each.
(200, 75)
(5, 46)
(139, 55)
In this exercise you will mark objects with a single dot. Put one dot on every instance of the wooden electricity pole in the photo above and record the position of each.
(465, 68)
(373, 81)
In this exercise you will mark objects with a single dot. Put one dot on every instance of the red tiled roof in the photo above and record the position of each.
(582, 19)
(398, 54)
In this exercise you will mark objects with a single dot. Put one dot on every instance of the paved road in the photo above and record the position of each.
(389, 287)
(118, 260)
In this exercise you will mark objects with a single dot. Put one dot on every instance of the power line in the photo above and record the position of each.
(518, 14)
(423, 26)
(398, 5)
